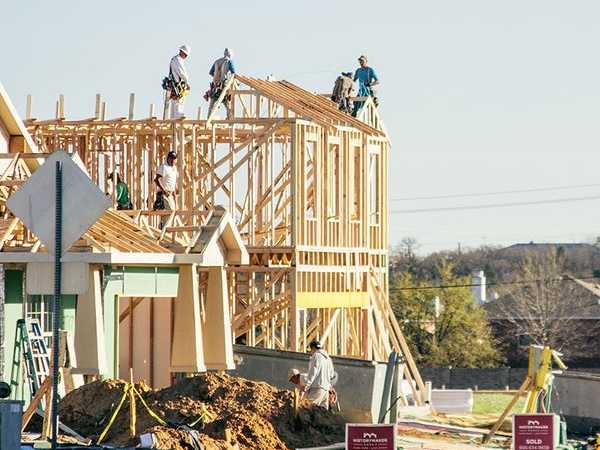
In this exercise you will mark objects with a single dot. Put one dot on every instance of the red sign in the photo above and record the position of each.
(534, 432)
(370, 437)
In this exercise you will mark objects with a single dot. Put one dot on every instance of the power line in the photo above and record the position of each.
(496, 205)
(497, 283)
(485, 194)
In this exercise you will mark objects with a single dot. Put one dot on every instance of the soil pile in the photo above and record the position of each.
(258, 415)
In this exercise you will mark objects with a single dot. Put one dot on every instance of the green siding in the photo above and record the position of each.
(13, 310)
(167, 281)
(69, 309)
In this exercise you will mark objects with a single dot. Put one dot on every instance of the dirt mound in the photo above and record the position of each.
(258, 415)
(90, 406)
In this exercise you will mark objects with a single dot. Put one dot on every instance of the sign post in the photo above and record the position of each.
(56, 303)
(535, 431)
(370, 437)
(60, 187)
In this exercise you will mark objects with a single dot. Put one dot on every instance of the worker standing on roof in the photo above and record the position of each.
(166, 181)
(221, 71)
(321, 376)
(177, 84)
(367, 80)
(343, 90)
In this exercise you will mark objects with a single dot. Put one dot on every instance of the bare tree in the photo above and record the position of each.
(547, 306)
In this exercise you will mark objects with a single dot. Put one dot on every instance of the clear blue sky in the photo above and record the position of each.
(478, 95)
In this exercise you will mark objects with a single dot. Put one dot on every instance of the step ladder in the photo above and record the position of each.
(30, 350)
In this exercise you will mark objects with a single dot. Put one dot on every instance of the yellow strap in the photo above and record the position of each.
(205, 416)
(114, 416)
(152, 413)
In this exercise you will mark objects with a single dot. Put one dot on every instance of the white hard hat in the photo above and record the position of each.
(185, 49)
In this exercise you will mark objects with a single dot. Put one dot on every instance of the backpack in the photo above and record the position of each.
(338, 90)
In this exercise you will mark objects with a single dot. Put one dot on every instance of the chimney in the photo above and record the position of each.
(478, 288)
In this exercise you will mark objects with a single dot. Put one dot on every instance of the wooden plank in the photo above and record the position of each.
(35, 403)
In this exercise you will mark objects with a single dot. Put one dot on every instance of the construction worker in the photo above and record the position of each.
(166, 181)
(221, 71)
(122, 192)
(343, 90)
(179, 84)
(321, 376)
(367, 80)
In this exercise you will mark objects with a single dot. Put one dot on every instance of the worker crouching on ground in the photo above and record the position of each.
(343, 90)
(122, 192)
(221, 71)
(367, 80)
(177, 84)
(317, 384)
(166, 180)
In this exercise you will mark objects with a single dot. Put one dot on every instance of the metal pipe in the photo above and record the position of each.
(387, 385)
(56, 304)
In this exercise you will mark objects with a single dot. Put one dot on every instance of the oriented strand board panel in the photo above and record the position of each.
(218, 344)
(142, 355)
(89, 329)
(150, 341)
(161, 376)
(187, 351)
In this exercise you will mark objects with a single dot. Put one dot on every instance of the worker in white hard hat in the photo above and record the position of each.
(221, 71)
(180, 82)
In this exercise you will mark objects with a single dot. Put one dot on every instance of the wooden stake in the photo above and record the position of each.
(61, 106)
(131, 105)
(28, 107)
(131, 405)
(97, 109)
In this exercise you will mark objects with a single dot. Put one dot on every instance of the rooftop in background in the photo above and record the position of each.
(545, 246)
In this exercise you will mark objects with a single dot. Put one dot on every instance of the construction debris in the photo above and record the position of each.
(248, 414)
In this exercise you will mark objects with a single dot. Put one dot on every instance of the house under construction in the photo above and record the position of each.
(282, 203)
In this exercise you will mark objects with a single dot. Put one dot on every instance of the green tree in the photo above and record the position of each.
(451, 331)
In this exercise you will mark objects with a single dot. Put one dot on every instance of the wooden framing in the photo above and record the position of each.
(306, 186)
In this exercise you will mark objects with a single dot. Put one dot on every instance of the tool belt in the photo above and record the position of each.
(214, 91)
(159, 203)
(177, 90)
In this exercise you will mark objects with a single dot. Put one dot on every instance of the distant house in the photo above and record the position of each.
(582, 257)
(576, 314)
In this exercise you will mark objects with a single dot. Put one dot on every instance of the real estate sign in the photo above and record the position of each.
(370, 437)
(535, 431)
